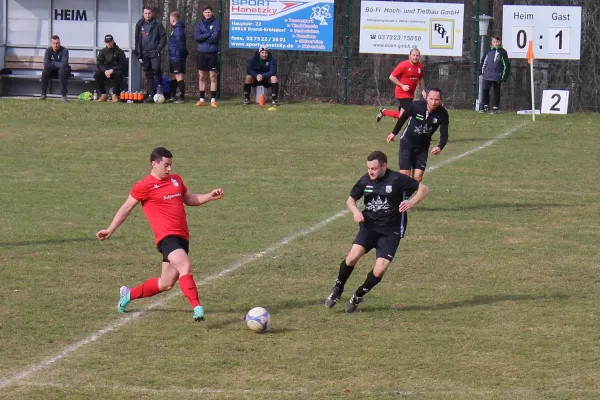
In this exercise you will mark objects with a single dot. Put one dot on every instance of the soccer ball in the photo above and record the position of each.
(258, 319)
(159, 98)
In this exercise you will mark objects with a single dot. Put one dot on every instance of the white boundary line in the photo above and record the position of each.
(325, 393)
(5, 382)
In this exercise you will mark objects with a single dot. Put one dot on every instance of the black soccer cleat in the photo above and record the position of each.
(333, 298)
(379, 114)
(494, 110)
(275, 102)
(246, 102)
(485, 109)
(353, 303)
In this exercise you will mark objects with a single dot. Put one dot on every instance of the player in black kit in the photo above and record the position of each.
(426, 116)
(382, 223)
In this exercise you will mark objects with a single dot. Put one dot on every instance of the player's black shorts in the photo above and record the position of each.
(177, 67)
(386, 245)
(265, 82)
(206, 61)
(171, 243)
(404, 103)
(412, 158)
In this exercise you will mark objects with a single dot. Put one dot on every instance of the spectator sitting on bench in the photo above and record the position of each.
(56, 65)
(112, 63)
(262, 71)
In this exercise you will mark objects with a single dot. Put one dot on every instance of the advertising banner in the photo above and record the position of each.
(305, 25)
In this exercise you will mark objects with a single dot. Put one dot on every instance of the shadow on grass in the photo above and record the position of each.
(473, 302)
(47, 241)
(487, 206)
(274, 309)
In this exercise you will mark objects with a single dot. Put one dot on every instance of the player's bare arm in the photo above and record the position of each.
(118, 219)
(356, 214)
(416, 198)
(195, 199)
(423, 91)
(395, 81)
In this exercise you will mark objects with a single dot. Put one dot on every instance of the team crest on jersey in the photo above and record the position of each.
(174, 182)
(435, 120)
(419, 70)
(388, 189)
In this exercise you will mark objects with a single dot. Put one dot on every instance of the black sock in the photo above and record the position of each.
(181, 86)
(275, 90)
(247, 89)
(173, 88)
(344, 274)
(202, 94)
(213, 95)
(368, 284)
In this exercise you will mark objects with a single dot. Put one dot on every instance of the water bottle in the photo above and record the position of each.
(95, 95)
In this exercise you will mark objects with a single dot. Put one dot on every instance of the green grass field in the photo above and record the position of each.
(493, 293)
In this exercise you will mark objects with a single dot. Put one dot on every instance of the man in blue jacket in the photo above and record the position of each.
(178, 53)
(262, 71)
(207, 33)
(150, 40)
(56, 65)
(495, 69)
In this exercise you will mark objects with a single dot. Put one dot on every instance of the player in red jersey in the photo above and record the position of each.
(406, 76)
(163, 196)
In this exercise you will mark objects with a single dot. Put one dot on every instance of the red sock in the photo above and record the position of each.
(189, 289)
(146, 289)
(391, 113)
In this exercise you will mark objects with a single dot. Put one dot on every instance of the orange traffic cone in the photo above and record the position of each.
(261, 100)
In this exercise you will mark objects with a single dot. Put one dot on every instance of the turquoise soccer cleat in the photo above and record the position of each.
(124, 299)
(198, 313)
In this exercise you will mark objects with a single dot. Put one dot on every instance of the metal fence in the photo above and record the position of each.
(349, 77)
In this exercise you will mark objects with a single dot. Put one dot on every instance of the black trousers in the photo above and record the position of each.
(151, 67)
(116, 76)
(486, 93)
(61, 73)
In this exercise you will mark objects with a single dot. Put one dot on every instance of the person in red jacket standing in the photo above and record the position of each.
(163, 196)
(406, 76)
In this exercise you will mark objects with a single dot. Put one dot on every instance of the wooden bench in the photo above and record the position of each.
(31, 67)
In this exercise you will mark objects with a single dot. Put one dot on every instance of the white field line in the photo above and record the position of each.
(5, 382)
(399, 392)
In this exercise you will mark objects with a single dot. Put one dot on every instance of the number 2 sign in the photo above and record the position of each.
(555, 101)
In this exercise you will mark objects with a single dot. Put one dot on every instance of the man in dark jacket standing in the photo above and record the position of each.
(112, 64)
(495, 69)
(178, 53)
(56, 65)
(207, 33)
(262, 71)
(150, 40)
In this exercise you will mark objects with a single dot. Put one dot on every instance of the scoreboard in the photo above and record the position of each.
(555, 31)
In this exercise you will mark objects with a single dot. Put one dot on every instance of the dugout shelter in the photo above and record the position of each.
(26, 27)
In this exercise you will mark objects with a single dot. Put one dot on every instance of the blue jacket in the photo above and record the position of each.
(57, 59)
(207, 33)
(177, 46)
(266, 68)
(495, 65)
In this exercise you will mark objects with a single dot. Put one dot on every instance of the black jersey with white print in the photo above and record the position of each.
(423, 125)
(382, 197)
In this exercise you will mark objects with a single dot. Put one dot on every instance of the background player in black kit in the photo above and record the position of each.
(426, 116)
(382, 223)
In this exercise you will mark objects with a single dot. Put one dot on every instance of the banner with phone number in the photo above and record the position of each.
(394, 27)
(305, 25)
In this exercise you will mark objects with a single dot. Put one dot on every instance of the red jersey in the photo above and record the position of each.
(162, 202)
(408, 74)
